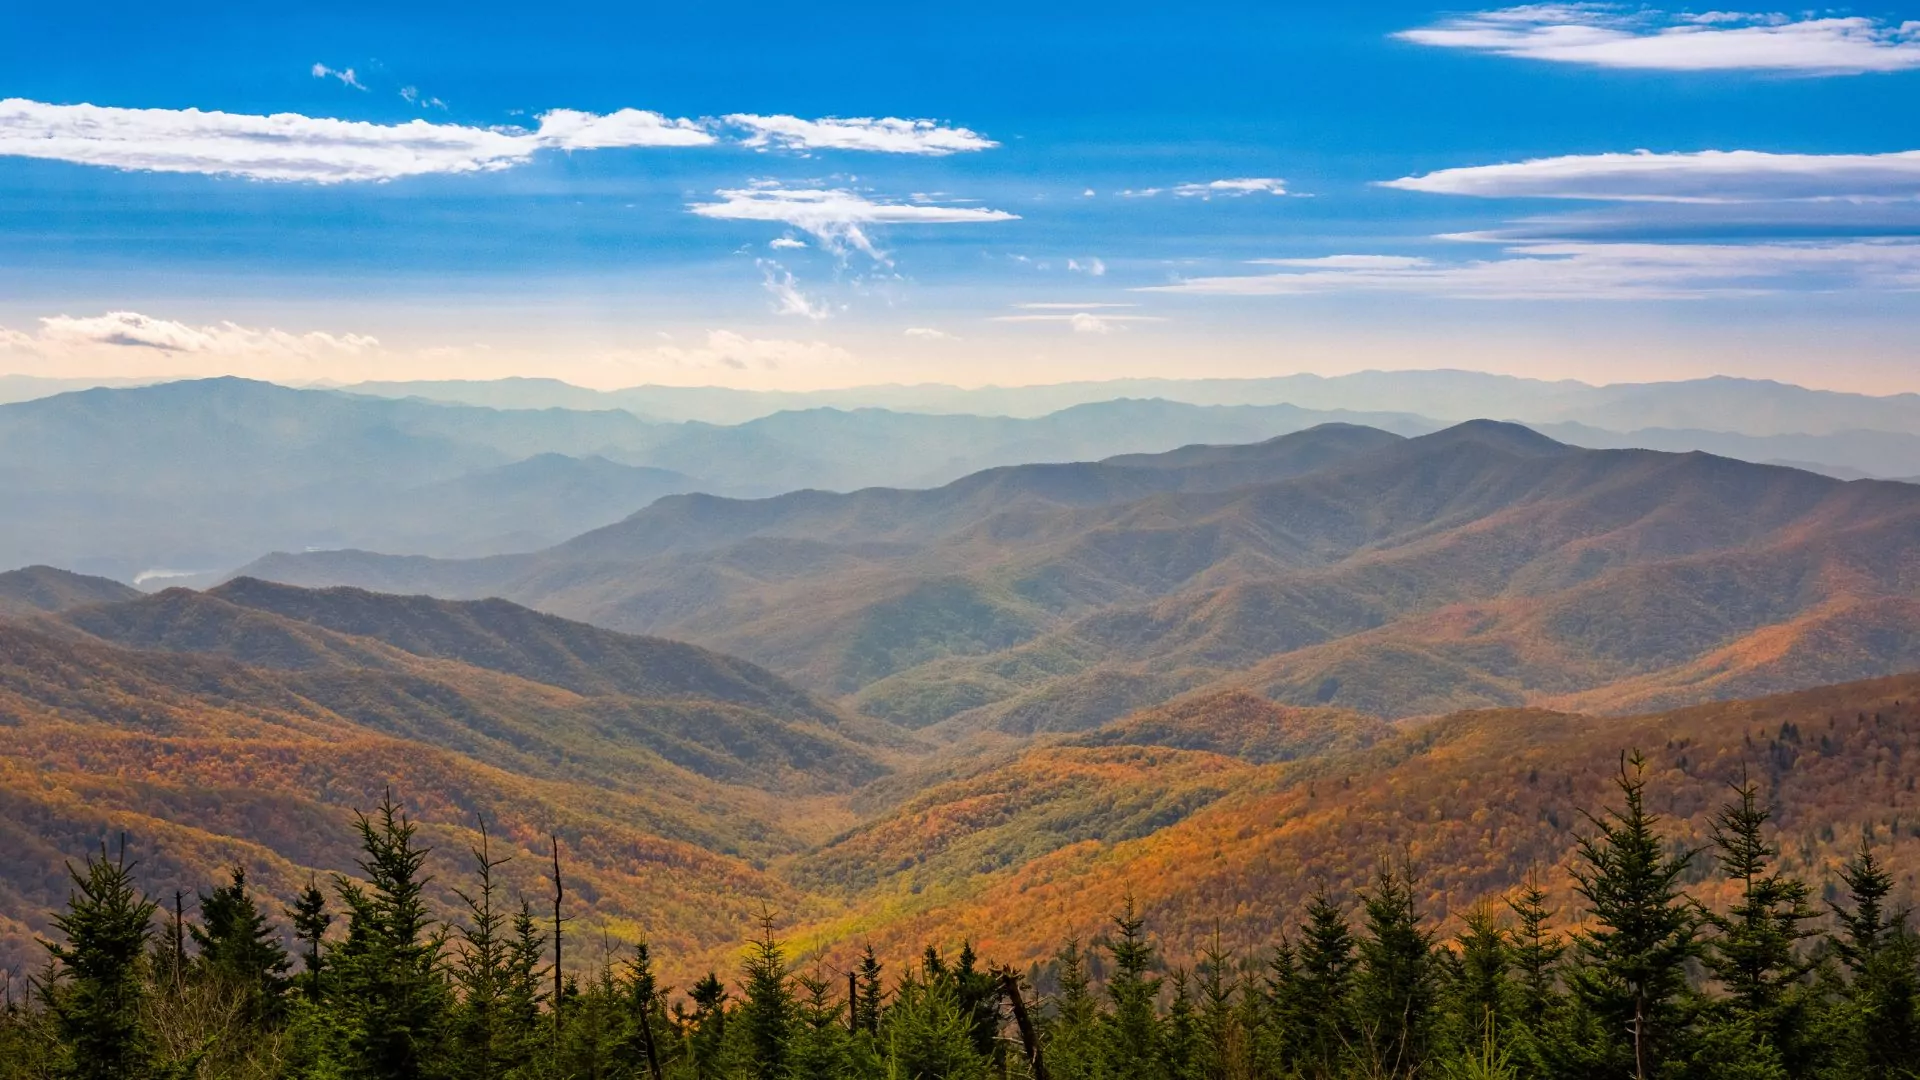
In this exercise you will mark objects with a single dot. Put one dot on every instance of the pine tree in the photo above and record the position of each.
(310, 920)
(521, 1034)
(239, 947)
(642, 996)
(1631, 979)
(978, 994)
(387, 982)
(1183, 1045)
(767, 1006)
(1074, 1049)
(1755, 951)
(705, 1029)
(928, 1037)
(1397, 984)
(1536, 956)
(96, 986)
(872, 995)
(1133, 1026)
(821, 1047)
(481, 1043)
(1319, 1022)
(1881, 957)
(1483, 992)
(1223, 1031)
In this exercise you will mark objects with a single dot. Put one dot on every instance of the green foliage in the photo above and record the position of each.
(1631, 980)
(98, 986)
(1736, 990)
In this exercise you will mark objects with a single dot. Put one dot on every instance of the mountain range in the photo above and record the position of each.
(688, 790)
(182, 481)
(1483, 565)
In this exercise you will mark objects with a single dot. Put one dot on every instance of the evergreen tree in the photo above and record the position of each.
(1755, 950)
(482, 1043)
(1223, 1031)
(927, 1035)
(386, 982)
(1133, 1025)
(821, 1047)
(1880, 1026)
(872, 997)
(1631, 980)
(1320, 1030)
(1183, 1045)
(519, 1037)
(1483, 993)
(96, 986)
(310, 920)
(1536, 956)
(705, 1029)
(239, 947)
(1397, 983)
(767, 1006)
(645, 1019)
(1074, 1049)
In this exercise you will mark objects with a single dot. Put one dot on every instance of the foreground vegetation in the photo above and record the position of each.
(363, 982)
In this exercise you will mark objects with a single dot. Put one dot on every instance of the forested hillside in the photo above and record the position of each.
(215, 729)
(1485, 565)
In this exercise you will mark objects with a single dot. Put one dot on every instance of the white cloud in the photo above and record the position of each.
(1579, 270)
(414, 97)
(287, 146)
(1710, 176)
(929, 333)
(885, 135)
(837, 218)
(1092, 267)
(1607, 35)
(788, 298)
(785, 243)
(130, 329)
(1249, 185)
(292, 147)
(345, 75)
(571, 129)
(725, 349)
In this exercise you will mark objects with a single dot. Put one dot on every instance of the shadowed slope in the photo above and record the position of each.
(38, 589)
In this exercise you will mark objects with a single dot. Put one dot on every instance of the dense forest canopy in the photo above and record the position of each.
(356, 977)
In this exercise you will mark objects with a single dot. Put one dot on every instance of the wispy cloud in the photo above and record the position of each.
(290, 147)
(413, 96)
(1579, 270)
(1710, 176)
(838, 218)
(129, 329)
(293, 147)
(344, 75)
(929, 333)
(788, 299)
(1214, 189)
(1090, 266)
(1608, 35)
(1246, 185)
(786, 243)
(884, 135)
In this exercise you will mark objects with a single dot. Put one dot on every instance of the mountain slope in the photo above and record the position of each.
(1019, 858)
(247, 725)
(37, 589)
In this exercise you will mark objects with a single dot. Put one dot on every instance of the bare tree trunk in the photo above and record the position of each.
(1010, 986)
(559, 892)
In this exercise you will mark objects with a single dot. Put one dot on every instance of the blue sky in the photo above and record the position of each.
(777, 196)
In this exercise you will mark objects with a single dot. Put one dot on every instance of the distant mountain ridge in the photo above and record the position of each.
(1483, 565)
